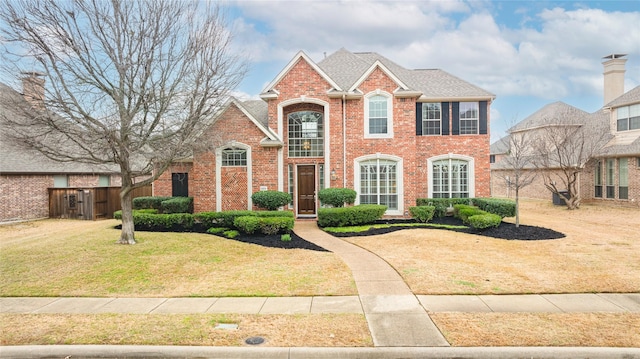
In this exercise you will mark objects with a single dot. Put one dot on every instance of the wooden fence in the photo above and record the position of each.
(88, 203)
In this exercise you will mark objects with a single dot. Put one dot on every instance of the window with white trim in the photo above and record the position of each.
(628, 118)
(431, 118)
(469, 117)
(450, 178)
(306, 134)
(234, 157)
(597, 179)
(623, 178)
(378, 115)
(379, 183)
(610, 176)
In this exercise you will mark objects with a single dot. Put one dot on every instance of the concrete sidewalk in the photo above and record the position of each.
(534, 303)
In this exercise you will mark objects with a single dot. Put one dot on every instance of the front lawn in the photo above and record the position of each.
(81, 258)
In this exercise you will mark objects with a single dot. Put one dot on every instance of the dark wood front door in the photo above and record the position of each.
(306, 190)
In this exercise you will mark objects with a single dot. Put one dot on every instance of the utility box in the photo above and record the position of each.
(557, 200)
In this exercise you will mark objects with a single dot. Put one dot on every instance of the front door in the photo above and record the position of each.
(306, 190)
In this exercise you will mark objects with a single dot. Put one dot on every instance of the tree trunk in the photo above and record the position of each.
(127, 234)
(517, 208)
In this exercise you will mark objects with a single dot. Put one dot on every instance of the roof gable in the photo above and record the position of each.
(251, 109)
(630, 97)
(299, 56)
(557, 113)
(378, 65)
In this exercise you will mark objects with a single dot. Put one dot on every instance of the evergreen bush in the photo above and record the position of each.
(350, 216)
(270, 200)
(337, 197)
(422, 213)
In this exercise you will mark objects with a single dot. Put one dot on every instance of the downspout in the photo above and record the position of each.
(344, 140)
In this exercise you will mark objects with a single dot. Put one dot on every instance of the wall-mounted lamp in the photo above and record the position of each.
(333, 175)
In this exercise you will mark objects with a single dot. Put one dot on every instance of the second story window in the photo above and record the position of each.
(469, 116)
(431, 118)
(628, 118)
(306, 132)
(378, 114)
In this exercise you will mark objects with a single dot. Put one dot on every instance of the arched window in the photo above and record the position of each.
(234, 157)
(451, 176)
(306, 134)
(378, 115)
(379, 181)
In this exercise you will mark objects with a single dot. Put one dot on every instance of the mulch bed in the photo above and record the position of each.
(504, 231)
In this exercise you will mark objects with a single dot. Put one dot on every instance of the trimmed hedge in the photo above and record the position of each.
(247, 224)
(154, 202)
(441, 204)
(501, 207)
(422, 213)
(118, 214)
(177, 205)
(483, 221)
(275, 225)
(337, 197)
(163, 221)
(227, 218)
(270, 200)
(350, 216)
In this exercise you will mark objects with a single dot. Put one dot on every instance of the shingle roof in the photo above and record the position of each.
(16, 159)
(501, 146)
(630, 97)
(557, 113)
(345, 68)
(258, 109)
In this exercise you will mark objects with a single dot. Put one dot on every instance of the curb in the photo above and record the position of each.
(134, 351)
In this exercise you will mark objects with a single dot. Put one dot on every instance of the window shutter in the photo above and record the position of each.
(445, 118)
(483, 118)
(418, 118)
(455, 109)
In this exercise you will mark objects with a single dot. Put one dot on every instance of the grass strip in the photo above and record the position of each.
(358, 229)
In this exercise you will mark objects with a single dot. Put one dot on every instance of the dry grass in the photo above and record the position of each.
(198, 329)
(601, 253)
(540, 329)
(80, 258)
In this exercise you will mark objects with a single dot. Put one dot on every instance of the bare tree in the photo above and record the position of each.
(519, 163)
(563, 148)
(128, 82)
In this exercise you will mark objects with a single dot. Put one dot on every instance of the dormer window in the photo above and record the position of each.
(628, 118)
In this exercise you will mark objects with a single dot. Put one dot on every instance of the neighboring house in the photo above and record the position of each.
(26, 175)
(354, 120)
(612, 174)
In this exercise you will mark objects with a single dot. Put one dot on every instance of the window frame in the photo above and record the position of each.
(597, 180)
(470, 174)
(425, 120)
(464, 130)
(225, 161)
(389, 118)
(397, 177)
(626, 116)
(610, 177)
(314, 139)
(623, 178)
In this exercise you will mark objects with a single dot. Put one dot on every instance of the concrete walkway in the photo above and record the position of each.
(395, 316)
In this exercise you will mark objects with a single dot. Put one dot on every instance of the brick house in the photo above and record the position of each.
(26, 175)
(355, 120)
(612, 175)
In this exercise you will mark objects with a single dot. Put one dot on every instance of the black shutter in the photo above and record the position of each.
(418, 118)
(455, 109)
(483, 117)
(445, 118)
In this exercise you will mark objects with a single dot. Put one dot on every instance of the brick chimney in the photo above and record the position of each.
(33, 88)
(613, 76)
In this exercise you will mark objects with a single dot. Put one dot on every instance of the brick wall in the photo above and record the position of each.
(24, 197)
(163, 185)
(587, 184)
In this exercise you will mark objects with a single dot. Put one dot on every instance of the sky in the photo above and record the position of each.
(528, 53)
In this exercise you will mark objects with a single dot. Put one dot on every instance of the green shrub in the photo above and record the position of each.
(350, 216)
(247, 224)
(270, 200)
(154, 202)
(275, 225)
(486, 220)
(337, 197)
(221, 219)
(422, 213)
(274, 214)
(285, 237)
(441, 204)
(163, 221)
(217, 230)
(177, 205)
(501, 207)
(231, 233)
(118, 214)
(464, 211)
